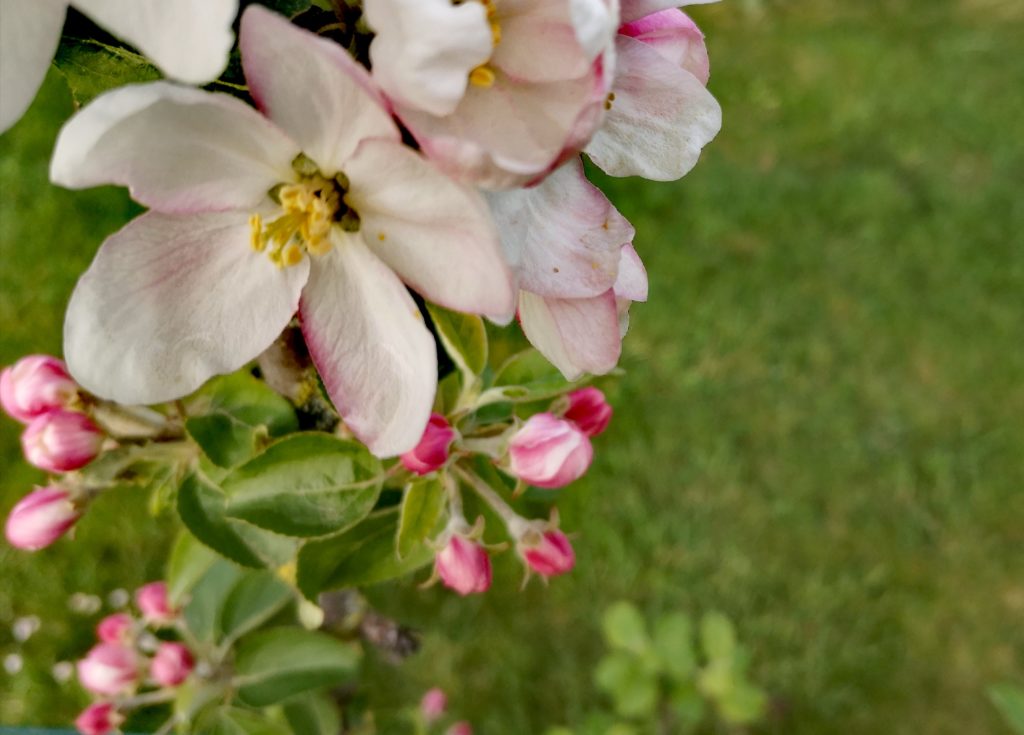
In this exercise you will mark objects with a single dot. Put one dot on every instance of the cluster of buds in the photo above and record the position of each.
(127, 657)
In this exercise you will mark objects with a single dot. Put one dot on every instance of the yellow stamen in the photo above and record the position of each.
(292, 254)
(256, 233)
(482, 76)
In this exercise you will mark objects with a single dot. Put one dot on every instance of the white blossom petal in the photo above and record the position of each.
(177, 149)
(632, 281)
(311, 88)
(634, 9)
(675, 36)
(576, 335)
(29, 34)
(541, 39)
(170, 301)
(368, 340)
(189, 40)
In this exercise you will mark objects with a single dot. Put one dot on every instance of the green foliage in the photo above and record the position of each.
(464, 339)
(253, 600)
(1009, 700)
(525, 377)
(314, 714)
(91, 67)
(422, 508)
(225, 440)
(189, 561)
(235, 721)
(248, 400)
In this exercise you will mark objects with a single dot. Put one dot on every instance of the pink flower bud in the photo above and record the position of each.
(152, 601)
(40, 518)
(35, 385)
(464, 566)
(171, 665)
(460, 728)
(589, 410)
(98, 719)
(433, 705)
(549, 452)
(432, 451)
(116, 628)
(675, 37)
(61, 441)
(109, 669)
(550, 555)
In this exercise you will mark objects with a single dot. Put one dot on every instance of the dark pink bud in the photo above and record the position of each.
(432, 451)
(153, 603)
(98, 719)
(35, 385)
(61, 441)
(675, 37)
(109, 669)
(464, 566)
(460, 728)
(40, 518)
(549, 452)
(550, 555)
(433, 705)
(171, 665)
(116, 628)
(589, 410)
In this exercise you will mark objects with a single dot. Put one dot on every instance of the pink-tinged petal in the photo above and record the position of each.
(562, 237)
(661, 118)
(29, 34)
(576, 335)
(424, 50)
(177, 149)
(632, 281)
(435, 233)
(539, 41)
(170, 301)
(368, 340)
(311, 88)
(635, 9)
(189, 40)
(676, 37)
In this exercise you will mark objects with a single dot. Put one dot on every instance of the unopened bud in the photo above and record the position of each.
(548, 554)
(589, 410)
(35, 385)
(109, 669)
(61, 441)
(432, 451)
(116, 628)
(549, 452)
(171, 665)
(98, 719)
(40, 518)
(433, 705)
(464, 566)
(153, 603)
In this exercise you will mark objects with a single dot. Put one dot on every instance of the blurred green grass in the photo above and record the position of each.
(820, 430)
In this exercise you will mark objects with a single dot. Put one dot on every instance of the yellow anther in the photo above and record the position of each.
(482, 76)
(256, 233)
(495, 33)
(292, 254)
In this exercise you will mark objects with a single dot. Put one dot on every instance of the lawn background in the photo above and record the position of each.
(821, 427)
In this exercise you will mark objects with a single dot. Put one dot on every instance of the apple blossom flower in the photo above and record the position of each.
(464, 566)
(548, 554)
(35, 385)
(171, 664)
(433, 705)
(314, 206)
(61, 441)
(188, 40)
(659, 112)
(109, 669)
(589, 410)
(40, 518)
(498, 92)
(432, 451)
(549, 452)
(154, 604)
(115, 628)
(100, 718)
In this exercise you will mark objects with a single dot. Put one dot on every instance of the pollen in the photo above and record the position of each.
(482, 76)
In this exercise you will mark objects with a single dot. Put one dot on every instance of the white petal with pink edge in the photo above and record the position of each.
(633, 9)
(170, 301)
(368, 341)
(676, 37)
(311, 88)
(632, 281)
(29, 34)
(177, 149)
(576, 335)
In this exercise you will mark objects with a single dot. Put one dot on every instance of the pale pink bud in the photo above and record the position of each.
(98, 719)
(589, 410)
(464, 566)
(35, 385)
(116, 628)
(432, 451)
(61, 441)
(109, 669)
(549, 452)
(152, 601)
(40, 518)
(460, 728)
(433, 705)
(171, 665)
(675, 37)
(549, 556)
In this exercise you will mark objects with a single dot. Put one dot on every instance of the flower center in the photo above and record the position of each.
(311, 206)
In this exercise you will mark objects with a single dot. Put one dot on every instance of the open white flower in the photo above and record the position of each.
(188, 40)
(318, 207)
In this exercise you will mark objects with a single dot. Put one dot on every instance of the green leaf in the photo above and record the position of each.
(422, 507)
(743, 704)
(272, 665)
(624, 628)
(91, 67)
(673, 644)
(208, 596)
(201, 507)
(464, 338)
(254, 600)
(526, 376)
(291, 8)
(247, 399)
(232, 721)
(632, 687)
(361, 556)
(225, 440)
(1009, 700)
(189, 561)
(717, 637)
(305, 485)
(315, 714)
(688, 705)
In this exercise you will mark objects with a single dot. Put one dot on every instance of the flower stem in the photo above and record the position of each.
(513, 520)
